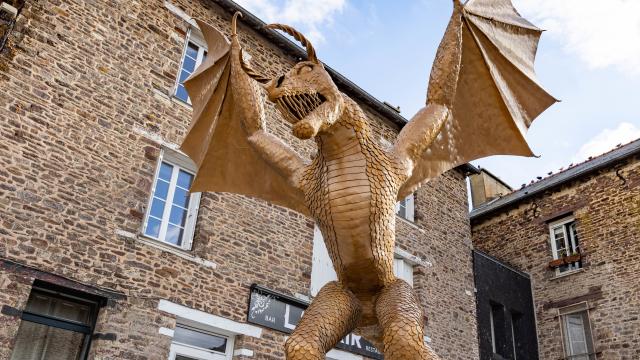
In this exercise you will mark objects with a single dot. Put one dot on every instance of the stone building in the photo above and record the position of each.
(105, 255)
(575, 234)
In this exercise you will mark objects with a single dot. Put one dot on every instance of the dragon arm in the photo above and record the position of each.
(249, 103)
(424, 127)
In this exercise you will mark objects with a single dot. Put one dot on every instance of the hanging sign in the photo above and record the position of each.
(280, 312)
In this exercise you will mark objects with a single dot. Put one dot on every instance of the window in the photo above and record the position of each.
(498, 331)
(55, 325)
(403, 270)
(565, 245)
(194, 53)
(405, 208)
(322, 270)
(190, 343)
(576, 332)
(172, 210)
(504, 331)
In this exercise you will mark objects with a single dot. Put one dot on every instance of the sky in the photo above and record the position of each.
(589, 58)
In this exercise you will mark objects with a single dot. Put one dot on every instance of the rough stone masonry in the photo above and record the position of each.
(606, 206)
(86, 107)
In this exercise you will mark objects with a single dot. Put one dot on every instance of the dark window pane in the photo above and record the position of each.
(181, 198)
(36, 341)
(189, 64)
(178, 216)
(157, 208)
(153, 228)
(184, 179)
(59, 308)
(165, 171)
(200, 339)
(174, 235)
(192, 50)
(162, 189)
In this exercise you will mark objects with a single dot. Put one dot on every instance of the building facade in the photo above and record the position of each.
(575, 234)
(104, 254)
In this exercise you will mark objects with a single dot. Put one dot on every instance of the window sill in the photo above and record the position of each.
(168, 96)
(167, 248)
(179, 101)
(410, 223)
(568, 273)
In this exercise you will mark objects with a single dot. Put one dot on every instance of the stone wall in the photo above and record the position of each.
(606, 206)
(85, 108)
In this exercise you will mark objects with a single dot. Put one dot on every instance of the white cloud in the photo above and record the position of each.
(607, 140)
(601, 33)
(310, 15)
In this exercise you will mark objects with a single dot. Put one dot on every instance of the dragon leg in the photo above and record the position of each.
(332, 315)
(400, 317)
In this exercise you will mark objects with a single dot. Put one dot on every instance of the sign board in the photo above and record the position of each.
(280, 312)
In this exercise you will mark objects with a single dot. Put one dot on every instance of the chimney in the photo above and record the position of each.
(485, 187)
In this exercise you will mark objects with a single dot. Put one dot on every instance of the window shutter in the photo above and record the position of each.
(322, 270)
(192, 217)
(410, 204)
(403, 270)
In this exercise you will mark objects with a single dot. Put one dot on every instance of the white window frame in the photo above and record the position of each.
(582, 307)
(200, 353)
(569, 240)
(322, 270)
(179, 162)
(409, 206)
(403, 269)
(195, 36)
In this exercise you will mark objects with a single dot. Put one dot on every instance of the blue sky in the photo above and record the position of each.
(589, 57)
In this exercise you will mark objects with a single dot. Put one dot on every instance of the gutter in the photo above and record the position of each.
(603, 161)
(294, 50)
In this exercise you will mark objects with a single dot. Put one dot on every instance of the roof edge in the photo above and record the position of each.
(292, 49)
(581, 170)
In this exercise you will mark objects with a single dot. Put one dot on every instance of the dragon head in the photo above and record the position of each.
(306, 96)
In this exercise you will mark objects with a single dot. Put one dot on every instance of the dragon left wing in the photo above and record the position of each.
(217, 141)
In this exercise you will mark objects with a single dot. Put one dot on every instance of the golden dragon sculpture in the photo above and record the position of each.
(481, 100)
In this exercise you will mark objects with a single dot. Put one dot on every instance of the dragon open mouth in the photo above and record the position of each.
(300, 105)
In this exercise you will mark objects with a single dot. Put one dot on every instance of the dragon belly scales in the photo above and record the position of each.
(350, 189)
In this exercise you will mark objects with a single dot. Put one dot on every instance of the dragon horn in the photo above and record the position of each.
(234, 22)
(311, 52)
(245, 66)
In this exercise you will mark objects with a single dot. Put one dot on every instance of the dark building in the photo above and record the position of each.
(506, 320)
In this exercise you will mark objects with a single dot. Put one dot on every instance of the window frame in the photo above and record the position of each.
(408, 203)
(178, 348)
(61, 293)
(322, 270)
(571, 240)
(578, 308)
(403, 269)
(194, 36)
(179, 162)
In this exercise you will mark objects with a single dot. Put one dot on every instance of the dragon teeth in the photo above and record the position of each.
(299, 106)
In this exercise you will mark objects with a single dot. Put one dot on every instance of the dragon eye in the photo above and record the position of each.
(305, 68)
